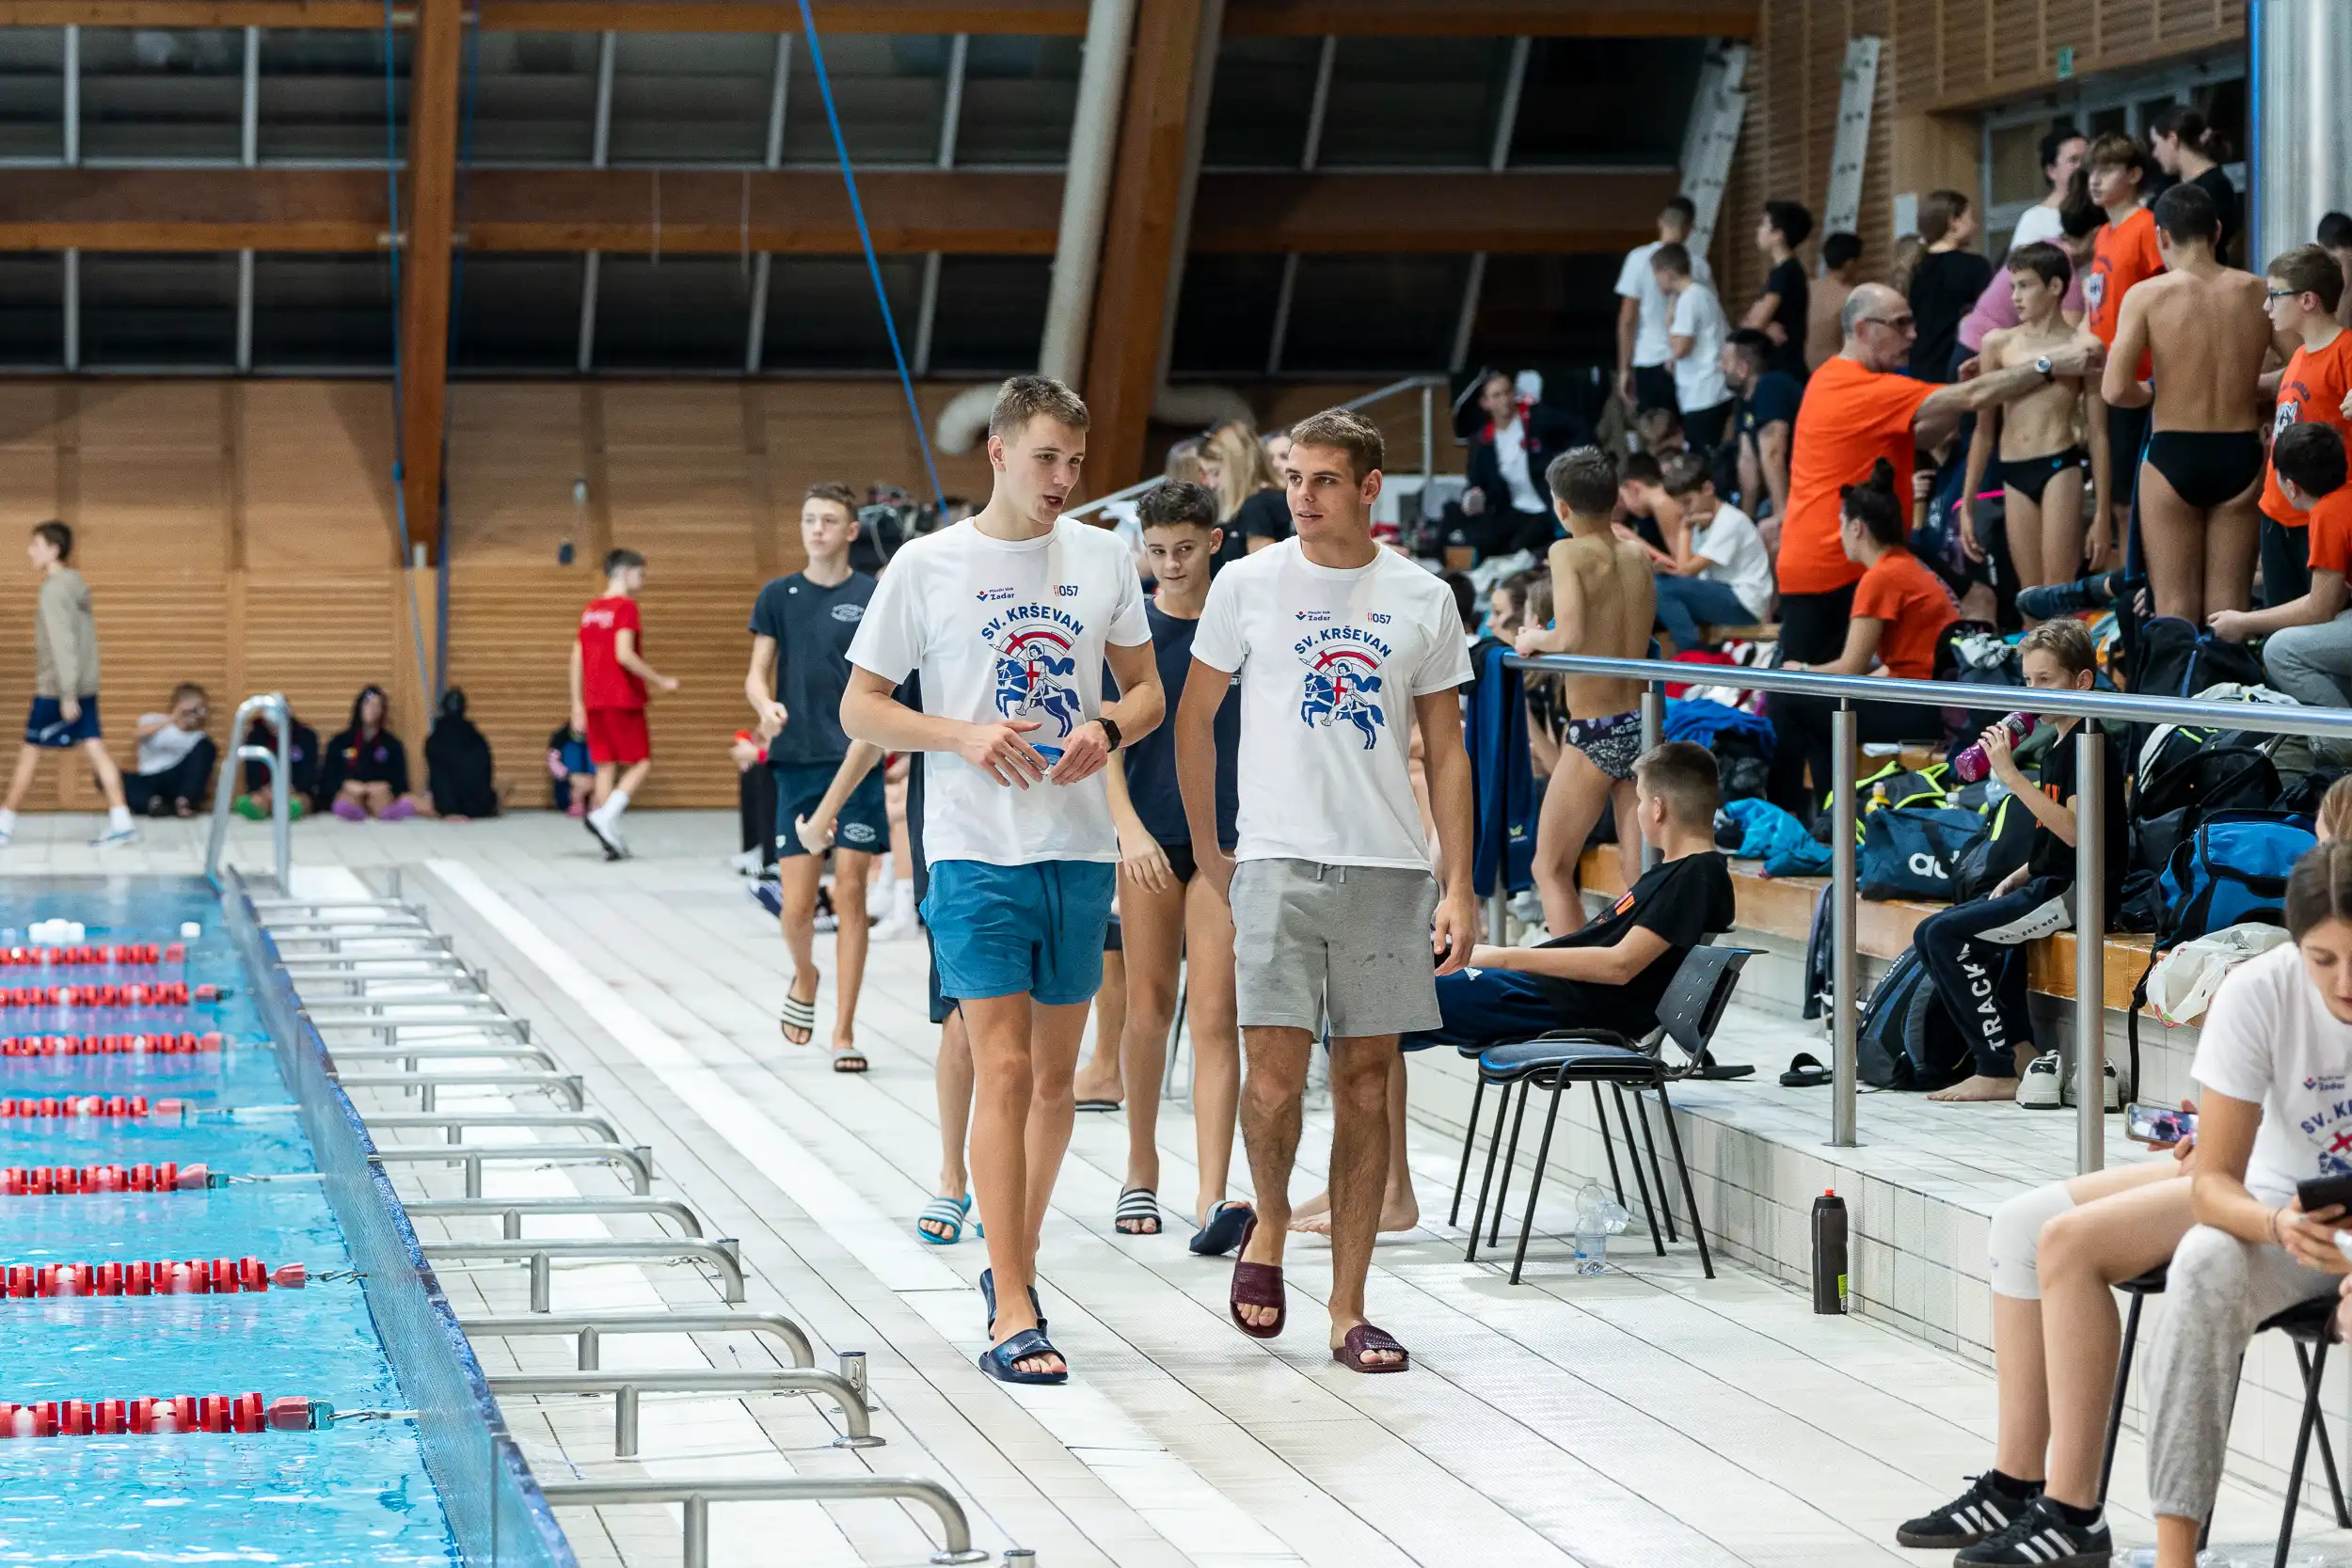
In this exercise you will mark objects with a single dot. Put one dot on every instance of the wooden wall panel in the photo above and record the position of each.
(514, 450)
(319, 637)
(511, 630)
(695, 632)
(317, 477)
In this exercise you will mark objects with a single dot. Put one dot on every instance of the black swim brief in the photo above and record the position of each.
(2207, 467)
(2031, 476)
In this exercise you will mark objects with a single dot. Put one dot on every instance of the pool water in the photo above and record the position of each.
(358, 1494)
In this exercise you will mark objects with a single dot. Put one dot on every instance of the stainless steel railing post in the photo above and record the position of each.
(1845, 1006)
(1653, 732)
(2091, 948)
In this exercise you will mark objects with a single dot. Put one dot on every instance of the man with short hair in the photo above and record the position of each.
(2061, 155)
(1858, 408)
(609, 679)
(1769, 401)
(2200, 324)
(1507, 456)
(2123, 257)
(1781, 310)
(1009, 618)
(2305, 286)
(802, 626)
(1695, 330)
(1841, 269)
(2306, 641)
(1339, 646)
(176, 758)
(64, 715)
(1644, 378)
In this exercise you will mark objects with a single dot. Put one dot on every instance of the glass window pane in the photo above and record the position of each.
(990, 317)
(322, 95)
(322, 310)
(32, 92)
(156, 93)
(679, 313)
(159, 309)
(1225, 314)
(2016, 165)
(690, 98)
(32, 311)
(1375, 312)
(1019, 96)
(823, 315)
(1414, 101)
(1605, 101)
(891, 92)
(518, 312)
(1259, 103)
(1546, 310)
(535, 97)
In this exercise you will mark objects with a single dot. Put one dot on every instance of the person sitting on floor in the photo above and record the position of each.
(1975, 952)
(458, 773)
(364, 772)
(572, 777)
(1612, 972)
(302, 763)
(176, 758)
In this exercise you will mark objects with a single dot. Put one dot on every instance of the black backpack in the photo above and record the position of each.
(2008, 844)
(1906, 1040)
(2177, 660)
(2183, 787)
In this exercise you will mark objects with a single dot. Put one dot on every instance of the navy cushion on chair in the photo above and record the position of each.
(1509, 1063)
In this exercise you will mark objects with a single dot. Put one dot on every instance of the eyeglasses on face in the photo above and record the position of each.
(1899, 324)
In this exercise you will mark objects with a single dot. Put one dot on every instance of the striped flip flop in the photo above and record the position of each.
(948, 1212)
(1139, 1212)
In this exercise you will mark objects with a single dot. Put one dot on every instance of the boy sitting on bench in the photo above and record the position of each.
(1610, 974)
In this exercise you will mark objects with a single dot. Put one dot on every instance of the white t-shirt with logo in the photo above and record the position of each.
(1330, 660)
(1698, 315)
(2269, 1039)
(1636, 281)
(1730, 540)
(1007, 629)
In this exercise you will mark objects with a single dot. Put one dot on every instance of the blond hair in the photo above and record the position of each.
(1025, 397)
(2067, 640)
(1243, 468)
(2335, 810)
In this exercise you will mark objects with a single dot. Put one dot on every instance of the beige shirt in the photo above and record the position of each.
(65, 639)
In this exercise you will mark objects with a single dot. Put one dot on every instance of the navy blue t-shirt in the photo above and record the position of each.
(1773, 400)
(812, 626)
(1151, 761)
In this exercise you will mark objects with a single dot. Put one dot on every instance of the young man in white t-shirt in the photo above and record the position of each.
(2274, 1059)
(1644, 379)
(1339, 646)
(1695, 333)
(1008, 617)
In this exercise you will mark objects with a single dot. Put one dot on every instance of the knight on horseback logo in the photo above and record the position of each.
(1343, 683)
(1036, 670)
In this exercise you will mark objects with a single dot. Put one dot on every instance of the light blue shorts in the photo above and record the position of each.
(999, 931)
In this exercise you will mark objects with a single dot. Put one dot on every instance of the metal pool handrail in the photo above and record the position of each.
(279, 761)
(2090, 848)
(697, 1497)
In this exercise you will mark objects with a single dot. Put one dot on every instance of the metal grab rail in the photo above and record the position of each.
(638, 1159)
(591, 1326)
(543, 1255)
(2089, 846)
(697, 1497)
(626, 1388)
(563, 1085)
(409, 1055)
(281, 764)
(1426, 385)
(511, 1210)
(458, 1122)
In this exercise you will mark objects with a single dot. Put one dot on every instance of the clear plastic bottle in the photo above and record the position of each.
(1599, 1216)
(1972, 764)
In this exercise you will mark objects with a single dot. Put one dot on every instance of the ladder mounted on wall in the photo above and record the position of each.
(1857, 89)
(1713, 135)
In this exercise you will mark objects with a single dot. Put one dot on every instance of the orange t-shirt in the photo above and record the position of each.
(2124, 256)
(2311, 387)
(1849, 418)
(2331, 532)
(1915, 607)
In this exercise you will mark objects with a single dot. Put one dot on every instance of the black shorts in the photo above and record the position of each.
(2127, 433)
(2207, 467)
(1813, 626)
(1653, 388)
(2031, 476)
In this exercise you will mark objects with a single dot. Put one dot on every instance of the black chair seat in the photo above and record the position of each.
(1594, 1057)
(2309, 1322)
(2148, 1284)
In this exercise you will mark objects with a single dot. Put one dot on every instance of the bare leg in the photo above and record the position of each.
(632, 778)
(1400, 1206)
(951, 1079)
(1055, 1037)
(608, 774)
(1360, 1069)
(1004, 1085)
(27, 760)
(1154, 928)
(2232, 540)
(2176, 1541)
(2022, 519)
(1216, 1038)
(1270, 1098)
(2172, 533)
(2084, 1254)
(1101, 1078)
(103, 766)
(850, 871)
(2061, 529)
(1629, 835)
(1572, 803)
(2021, 1433)
(796, 884)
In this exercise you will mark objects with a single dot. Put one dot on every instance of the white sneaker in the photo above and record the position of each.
(891, 929)
(2114, 1095)
(2043, 1085)
(113, 836)
(748, 864)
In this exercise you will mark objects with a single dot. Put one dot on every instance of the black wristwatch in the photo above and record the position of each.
(1110, 730)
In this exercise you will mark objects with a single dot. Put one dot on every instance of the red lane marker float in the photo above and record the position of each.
(74, 1180)
(191, 1276)
(108, 1045)
(171, 1415)
(119, 954)
(158, 994)
(103, 1107)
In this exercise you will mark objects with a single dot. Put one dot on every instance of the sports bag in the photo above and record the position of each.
(2186, 788)
(2007, 844)
(1905, 1040)
(1913, 851)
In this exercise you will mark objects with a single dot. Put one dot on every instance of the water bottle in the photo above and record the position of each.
(1972, 764)
(1829, 1253)
(1599, 1216)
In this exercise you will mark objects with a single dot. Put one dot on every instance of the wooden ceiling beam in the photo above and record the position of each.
(1448, 212)
(1584, 19)
(429, 219)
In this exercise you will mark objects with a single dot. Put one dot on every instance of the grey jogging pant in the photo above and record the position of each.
(2217, 1288)
(2313, 664)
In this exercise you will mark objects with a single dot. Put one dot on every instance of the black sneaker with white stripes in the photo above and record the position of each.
(2042, 1538)
(1981, 1513)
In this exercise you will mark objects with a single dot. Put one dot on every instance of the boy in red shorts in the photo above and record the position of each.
(609, 680)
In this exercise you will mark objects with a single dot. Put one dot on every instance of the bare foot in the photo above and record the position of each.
(1399, 1211)
(1314, 1215)
(1098, 1082)
(1264, 1247)
(1978, 1088)
(1372, 1355)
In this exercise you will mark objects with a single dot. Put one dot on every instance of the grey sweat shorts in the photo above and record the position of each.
(1346, 943)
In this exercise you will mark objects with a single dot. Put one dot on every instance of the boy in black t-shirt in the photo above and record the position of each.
(1781, 305)
(1975, 952)
(1610, 973)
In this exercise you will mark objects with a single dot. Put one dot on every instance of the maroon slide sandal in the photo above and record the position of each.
(1257, 1285)
(1364, 1340)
